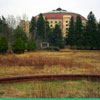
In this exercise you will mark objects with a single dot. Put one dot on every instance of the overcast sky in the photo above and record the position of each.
(34, 7)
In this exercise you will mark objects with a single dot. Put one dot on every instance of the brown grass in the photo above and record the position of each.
(34, 63)
(38, 61)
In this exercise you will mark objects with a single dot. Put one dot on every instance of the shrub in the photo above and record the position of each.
(3, 45)
(52, 48)
(56, 48)
(61, 44)
(18, 46)
(30, 46)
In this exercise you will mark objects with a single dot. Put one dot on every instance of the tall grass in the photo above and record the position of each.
(46, 63)
(39, 61)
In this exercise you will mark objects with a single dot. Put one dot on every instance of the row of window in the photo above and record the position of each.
(55, 21)
(52, 25)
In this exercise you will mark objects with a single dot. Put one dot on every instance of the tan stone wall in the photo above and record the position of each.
(66, 21)
(62, 23)
(22, 24)
(25, 26)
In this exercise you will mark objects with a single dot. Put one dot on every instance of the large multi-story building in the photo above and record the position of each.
(58, 16)
(62, 18)
(25, 26)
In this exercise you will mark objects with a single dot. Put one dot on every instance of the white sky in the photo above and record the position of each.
(34, 7)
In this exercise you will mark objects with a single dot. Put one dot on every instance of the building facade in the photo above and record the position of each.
(58, 16)
(62, 18)
(25, 26)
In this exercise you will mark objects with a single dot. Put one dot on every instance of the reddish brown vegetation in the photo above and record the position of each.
(35, 61)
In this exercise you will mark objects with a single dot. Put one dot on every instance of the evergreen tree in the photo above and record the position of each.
(98, 37)
(3, 45)
(91, 32)
(99, 26)
(4, 29)
(57, 38)
(78, 32)
(71, 33)
(41, 28)
(47, 31)
(18, 46)
(31, 46)
(33, 28)
(19, 33)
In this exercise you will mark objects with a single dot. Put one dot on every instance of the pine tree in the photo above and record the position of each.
(3, 45)
(41, 28)
(98, 37)
(47, 31)
(99, 26)
(6, 31)
(18, 46)
(91, 32)
(71, 33)
(19, 33)
(4, 28)
(31, 46)
(57, 38)
(78, 32)
(33, 28)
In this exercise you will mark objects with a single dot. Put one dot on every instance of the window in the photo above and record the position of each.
(51, 21)
(66, 24)
(50, 25)
(55, 21)
(66, 21)
(67, 29)
(48, 22)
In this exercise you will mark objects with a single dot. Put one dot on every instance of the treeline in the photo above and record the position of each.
(41, 32)
(79, 36)
(84, 37)
(13, 40)
(16, 40)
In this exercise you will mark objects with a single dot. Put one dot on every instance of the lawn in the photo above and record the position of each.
(52, 89)
(46, 63)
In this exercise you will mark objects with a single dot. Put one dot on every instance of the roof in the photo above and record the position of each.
(58, 14)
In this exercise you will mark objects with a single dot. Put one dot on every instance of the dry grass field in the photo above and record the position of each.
(43, 63)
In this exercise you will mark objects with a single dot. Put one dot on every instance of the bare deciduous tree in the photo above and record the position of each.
(24, 17)
(11, 21)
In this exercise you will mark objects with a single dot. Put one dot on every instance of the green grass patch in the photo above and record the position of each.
(51, 89)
